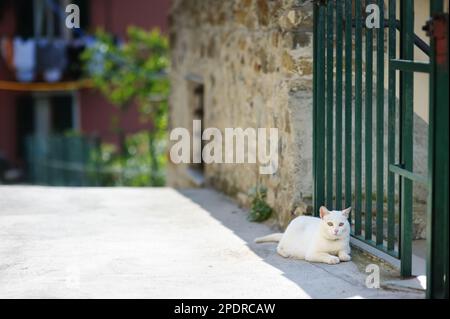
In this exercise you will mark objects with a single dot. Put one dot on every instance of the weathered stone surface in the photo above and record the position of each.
(253, 57)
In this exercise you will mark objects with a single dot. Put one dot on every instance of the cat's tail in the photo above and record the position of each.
(269, 238)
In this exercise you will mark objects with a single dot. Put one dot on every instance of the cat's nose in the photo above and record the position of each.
(336, 231)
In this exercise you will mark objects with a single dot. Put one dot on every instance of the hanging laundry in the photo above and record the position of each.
(75, 66)
(24, 59)
(51, 57)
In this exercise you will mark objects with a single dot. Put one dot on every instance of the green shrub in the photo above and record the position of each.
(142, 163)
(260, 210)
(133, 72)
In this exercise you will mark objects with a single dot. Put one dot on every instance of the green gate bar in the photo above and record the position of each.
(330, 102)
(391, 128)
(339, 86)
(406, 135)
(438, 177)
(348, 103)
(315, 26)
(358, 117)
(380, 128)
(410, 66)
(368, 133)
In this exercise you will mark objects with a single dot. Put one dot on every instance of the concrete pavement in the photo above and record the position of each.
(152, 243)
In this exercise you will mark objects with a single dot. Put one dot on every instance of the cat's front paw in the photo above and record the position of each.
(344, 256)
(332, 260)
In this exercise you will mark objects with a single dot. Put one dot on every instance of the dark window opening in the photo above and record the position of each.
(198, 114)
(61, 113)
(24, 18)
(24, 122)
(60, 118)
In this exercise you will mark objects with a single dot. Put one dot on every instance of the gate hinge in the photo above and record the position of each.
(437, 27)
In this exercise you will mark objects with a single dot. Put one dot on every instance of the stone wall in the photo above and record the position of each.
(254, 59)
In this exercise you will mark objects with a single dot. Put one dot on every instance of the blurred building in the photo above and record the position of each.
(39, 107)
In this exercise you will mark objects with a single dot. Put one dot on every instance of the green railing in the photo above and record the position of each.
(60, 160)
(77, 160)
(352, 118)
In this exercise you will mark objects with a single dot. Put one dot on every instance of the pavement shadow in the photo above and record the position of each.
(345, 280)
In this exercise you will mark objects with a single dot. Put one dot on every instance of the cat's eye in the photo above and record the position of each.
(341, 224)
(330, 224)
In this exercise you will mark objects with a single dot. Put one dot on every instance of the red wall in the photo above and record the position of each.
(8, 125)
(97, 117)
(7, 110)
(116, 15)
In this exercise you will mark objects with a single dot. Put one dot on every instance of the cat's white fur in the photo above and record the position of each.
(325, 239)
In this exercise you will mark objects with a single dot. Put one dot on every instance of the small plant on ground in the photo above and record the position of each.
(260, 210)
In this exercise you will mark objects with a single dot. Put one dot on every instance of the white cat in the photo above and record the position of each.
(325, 239)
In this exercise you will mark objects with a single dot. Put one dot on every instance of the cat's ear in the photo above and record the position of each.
(346, 212)
(323, 212)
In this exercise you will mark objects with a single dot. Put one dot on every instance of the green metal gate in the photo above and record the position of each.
(352, 119)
